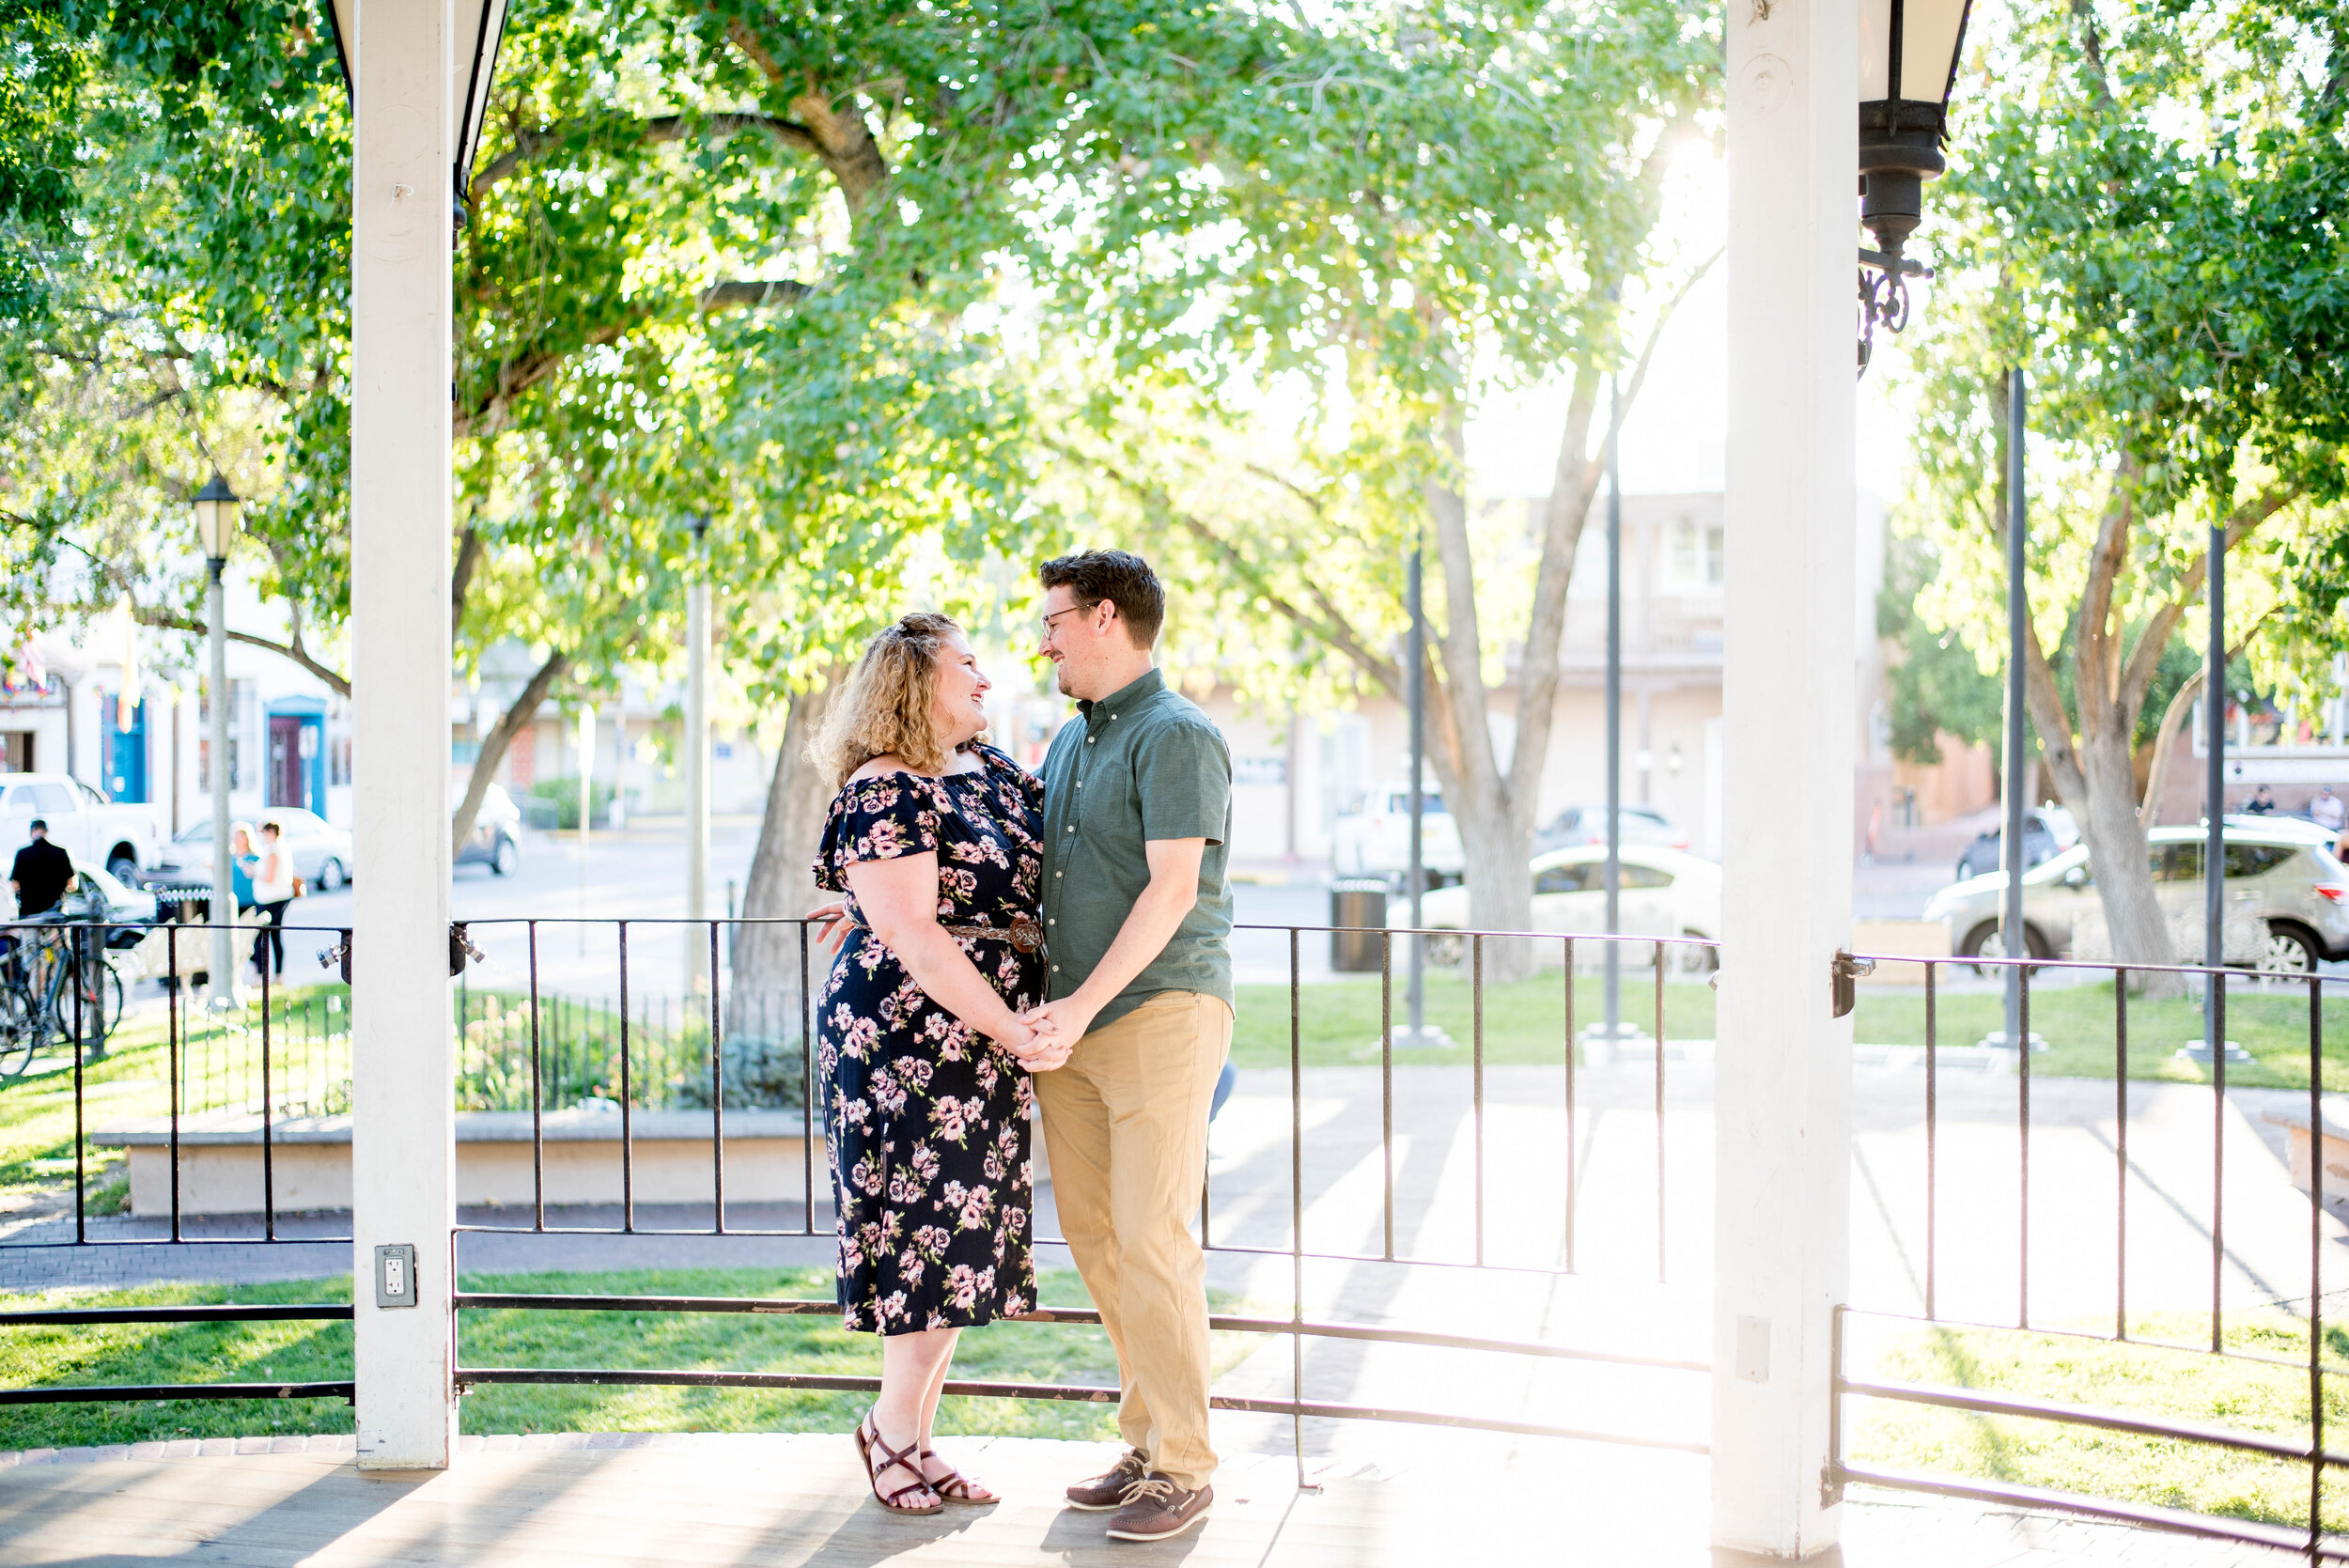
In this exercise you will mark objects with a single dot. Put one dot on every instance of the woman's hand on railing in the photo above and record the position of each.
(832, 918)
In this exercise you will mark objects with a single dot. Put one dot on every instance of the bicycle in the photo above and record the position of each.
(37, 1009)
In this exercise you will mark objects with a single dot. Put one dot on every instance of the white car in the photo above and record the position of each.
(1663, 892)
(321, 851)
(122, 838)
(1376, 841)
(2288, 900)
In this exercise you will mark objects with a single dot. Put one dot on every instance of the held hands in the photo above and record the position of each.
(1036, 1051)
(1061, 1024)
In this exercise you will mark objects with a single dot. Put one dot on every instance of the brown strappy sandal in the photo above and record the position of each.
(955, 1486)
(905, 1459)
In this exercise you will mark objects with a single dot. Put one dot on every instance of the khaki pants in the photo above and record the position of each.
(1126, 1127)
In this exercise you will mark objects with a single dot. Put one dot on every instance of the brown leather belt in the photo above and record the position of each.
(1025, 934)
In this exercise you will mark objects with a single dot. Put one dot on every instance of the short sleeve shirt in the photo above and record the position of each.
(1144, 763)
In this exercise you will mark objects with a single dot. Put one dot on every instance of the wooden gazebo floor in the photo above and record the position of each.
(782, 1502)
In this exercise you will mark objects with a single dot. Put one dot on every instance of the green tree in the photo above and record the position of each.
(2145, 220)
(1472, 205)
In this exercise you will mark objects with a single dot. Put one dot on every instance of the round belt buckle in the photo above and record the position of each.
(1026, 935)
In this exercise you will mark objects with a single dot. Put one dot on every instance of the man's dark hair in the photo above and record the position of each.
(36, 826)
(1124, 579)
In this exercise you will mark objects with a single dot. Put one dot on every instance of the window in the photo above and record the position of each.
(1696, 554)
(51, 800)
(1563, 878)
(1643, 877)
(2253, 859)
(2177, 862)
(338, 760)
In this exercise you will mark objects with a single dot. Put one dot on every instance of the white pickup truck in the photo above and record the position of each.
(124, 839)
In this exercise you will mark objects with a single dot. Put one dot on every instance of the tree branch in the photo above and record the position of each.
(1329, 626)
(650, 132)
(170, 620)
(2138, 678)
(501, 736)
(2164, 739)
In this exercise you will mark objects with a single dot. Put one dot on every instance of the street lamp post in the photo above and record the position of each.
(699, 980)
(216, 509)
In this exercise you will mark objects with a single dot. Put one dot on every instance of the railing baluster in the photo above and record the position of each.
(1386, 1085)
(1570, 1155)
(1661, 1265)
(1933, 1133)
(2316, 1263)
(2219, 1154)
(268, 1168)
(807, 1089)
(1476, 1001)
(173, 1021)
(2022, 1014)
(2121, 1153)
(537, 1109)
(717, 1098)
(628, 1102)
(1297, 1217)
(72, 975)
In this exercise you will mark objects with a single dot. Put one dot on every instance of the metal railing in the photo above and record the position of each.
(2311, 1539)
(1567, 1198)
(222, 1054)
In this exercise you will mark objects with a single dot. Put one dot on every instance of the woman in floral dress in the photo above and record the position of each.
(933, 840)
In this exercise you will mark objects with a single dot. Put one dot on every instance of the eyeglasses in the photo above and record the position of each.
(1057, 614)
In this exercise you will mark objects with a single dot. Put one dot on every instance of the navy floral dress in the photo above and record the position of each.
(927, 1118)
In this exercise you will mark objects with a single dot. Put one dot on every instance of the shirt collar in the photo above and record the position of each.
(1126, 698)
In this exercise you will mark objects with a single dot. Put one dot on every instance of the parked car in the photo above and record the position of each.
(1663, 892)
(1588, 825)
(122, 838)
(496, 839)
(2290, 898)
(321, 852)
(1376, 841)
(2047, 832)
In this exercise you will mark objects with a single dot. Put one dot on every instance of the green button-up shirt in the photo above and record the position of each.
(1144, 763)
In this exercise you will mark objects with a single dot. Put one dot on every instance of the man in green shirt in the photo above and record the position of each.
(1137, 916)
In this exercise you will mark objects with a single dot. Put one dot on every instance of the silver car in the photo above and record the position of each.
(2289, 899)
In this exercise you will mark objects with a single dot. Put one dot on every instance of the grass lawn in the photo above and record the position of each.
(1525, 1022)
(2184, 1385)
(249, 1352)
(2268, 1019)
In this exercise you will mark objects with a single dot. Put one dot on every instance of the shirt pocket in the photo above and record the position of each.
(1103, 797)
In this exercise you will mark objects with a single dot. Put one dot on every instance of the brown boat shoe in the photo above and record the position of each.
(1108, 1490)
(1157, 1510)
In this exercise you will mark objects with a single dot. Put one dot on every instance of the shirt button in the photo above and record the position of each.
(1058, 875)
(1072, 830)
(1051, 922)
(1055, 969)
(1089, 740)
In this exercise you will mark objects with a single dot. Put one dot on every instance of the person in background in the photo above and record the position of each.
(40, 875)
(241, 859)
(2327, 812)
(272, 890)
(2261, 803)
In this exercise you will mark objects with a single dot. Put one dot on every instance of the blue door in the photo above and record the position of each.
(126, 750)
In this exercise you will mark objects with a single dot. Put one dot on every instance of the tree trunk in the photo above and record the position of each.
(2165, 742)
(501, 736)
(766, 1001)
(2117, 851)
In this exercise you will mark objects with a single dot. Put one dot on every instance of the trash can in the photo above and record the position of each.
(1358, 901)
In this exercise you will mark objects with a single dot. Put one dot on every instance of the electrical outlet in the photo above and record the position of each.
(396, 1275)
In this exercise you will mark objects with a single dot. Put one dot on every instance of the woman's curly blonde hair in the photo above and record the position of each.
(885, 708)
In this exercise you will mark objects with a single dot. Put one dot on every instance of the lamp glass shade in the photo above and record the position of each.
(216, 509)
(1931, 32)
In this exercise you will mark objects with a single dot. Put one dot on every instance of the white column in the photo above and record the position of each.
(1783, 1086)
(402, 1146)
